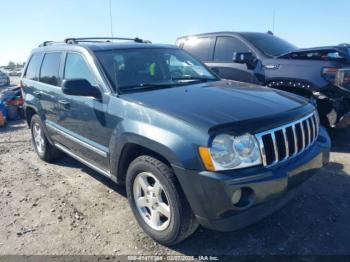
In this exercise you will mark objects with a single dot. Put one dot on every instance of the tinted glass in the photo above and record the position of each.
(152, 67)
(226, 46)
(50, 68)
(76, 68)
(33, 67)
(199, 47)
(270, 45)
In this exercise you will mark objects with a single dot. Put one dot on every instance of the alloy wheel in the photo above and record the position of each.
(151, 201)
(38, 137)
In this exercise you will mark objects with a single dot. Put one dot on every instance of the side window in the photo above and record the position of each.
(32, 71)
(76, 68)
(49, 72)
(226, 46)
(199, 47)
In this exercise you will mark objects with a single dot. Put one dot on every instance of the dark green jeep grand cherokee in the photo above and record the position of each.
(190, 148)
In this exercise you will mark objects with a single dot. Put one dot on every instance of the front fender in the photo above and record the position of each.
(178, 148)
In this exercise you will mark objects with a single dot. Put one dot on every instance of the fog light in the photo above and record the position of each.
(236, 196)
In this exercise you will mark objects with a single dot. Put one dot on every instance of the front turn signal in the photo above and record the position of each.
(206, 158)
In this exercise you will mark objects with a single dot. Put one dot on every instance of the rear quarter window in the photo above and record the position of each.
(49, 73)
(33, 68)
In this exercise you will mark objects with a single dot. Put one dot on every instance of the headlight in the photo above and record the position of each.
(342, 78)
(229, 152)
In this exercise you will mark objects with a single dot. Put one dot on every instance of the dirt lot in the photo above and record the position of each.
(66, 208)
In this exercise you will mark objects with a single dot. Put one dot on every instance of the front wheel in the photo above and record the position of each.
(157, 201)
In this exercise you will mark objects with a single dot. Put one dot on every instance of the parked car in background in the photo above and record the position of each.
(11, 103)
(16, 72)
(321, 73)
(4, 79)
(189, 147)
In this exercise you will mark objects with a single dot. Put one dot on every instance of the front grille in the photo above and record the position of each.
(282, 143)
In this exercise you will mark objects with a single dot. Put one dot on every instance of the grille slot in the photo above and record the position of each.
(282, 143)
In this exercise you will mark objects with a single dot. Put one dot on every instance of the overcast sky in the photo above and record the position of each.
(25, 24)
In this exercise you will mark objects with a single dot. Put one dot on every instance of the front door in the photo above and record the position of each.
(223, 63)
(83, 120)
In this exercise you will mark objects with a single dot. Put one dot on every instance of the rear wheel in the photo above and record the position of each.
(157, 201)
(43, 148)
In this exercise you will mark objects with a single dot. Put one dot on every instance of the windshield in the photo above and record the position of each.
(270, 45)
(147, 68)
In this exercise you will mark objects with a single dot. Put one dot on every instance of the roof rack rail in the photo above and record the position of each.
(102, 39)
(47, 43)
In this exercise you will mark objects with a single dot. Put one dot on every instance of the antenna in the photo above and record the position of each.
(111, 17)
(273, 20)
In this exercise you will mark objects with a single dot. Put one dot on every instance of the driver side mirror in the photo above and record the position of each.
(244, 58)
(80, 87)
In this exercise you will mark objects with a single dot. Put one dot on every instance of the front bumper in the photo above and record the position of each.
(333, 106)
(264, 190)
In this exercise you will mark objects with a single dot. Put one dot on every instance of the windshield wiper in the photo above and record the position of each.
(145, 86)
(193, 78)
(151, 86)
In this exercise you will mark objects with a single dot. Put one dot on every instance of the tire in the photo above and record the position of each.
(44, 149)
(180, 222)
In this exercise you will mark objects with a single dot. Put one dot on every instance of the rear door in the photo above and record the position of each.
(29, 81)
(83, 120)
(223, 64)
(49, 90)
(201, 47)
(41, 84)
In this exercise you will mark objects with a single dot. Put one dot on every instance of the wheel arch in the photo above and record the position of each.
(170, 146)
(296, 86)
(29, 113)
(131, 151)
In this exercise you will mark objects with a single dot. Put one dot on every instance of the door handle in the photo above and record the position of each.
(64, 103)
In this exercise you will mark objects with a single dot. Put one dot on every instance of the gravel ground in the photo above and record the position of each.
(66, 208)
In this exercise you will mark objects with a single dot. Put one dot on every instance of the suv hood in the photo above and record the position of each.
(326, 53)
(222, 103)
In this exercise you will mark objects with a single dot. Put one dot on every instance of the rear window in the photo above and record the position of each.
(32, 72)
(199, 47)
(49, 73)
